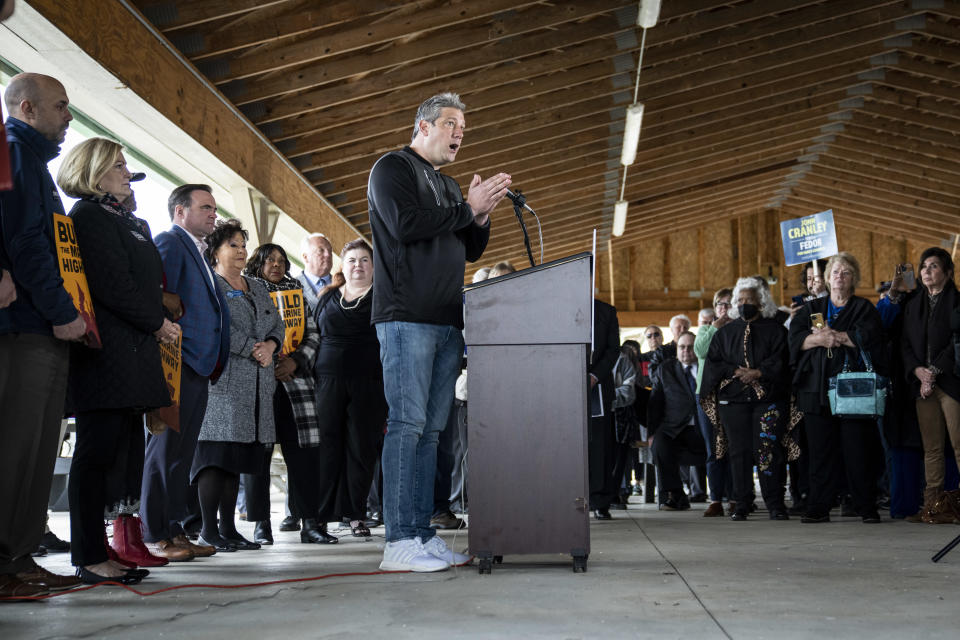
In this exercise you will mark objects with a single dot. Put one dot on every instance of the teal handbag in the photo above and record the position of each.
(861, 394)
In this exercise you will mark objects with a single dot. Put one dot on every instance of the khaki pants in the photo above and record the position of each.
(936, 414)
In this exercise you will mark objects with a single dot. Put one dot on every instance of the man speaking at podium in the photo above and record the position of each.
(423, 231)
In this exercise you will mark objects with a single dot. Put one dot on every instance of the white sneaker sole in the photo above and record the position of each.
(416, 568)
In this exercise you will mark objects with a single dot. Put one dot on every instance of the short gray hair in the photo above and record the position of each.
(305, 242)
(768, 308)
(430, 109)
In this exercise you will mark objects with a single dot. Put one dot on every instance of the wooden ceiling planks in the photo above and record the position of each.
(751, 105)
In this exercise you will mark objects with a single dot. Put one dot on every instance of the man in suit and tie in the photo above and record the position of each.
(205, 348)
(317, 254)
(601, 436)
(672, 422)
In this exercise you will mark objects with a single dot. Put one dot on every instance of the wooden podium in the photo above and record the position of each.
(528, 338)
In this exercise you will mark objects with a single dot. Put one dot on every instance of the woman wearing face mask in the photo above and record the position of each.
(745, 388)
(928, 358)
(851, 323)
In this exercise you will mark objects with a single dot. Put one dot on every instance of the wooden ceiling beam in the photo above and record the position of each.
(881, 119)
(579, 44)
(860, 217)
(142, 62)
(170, 15)
(905, 150)
(430, 45)
(894, 176)
(876, 193)
(936, 50)
(399, 125)
(897, 218)
(544, 179)
(546, 123)
(927, 104)
(561, 37)
(275, 23)
(355, 37)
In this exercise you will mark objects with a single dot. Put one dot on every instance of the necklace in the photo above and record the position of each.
(356, 301)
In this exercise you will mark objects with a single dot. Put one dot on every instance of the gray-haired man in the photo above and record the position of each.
(423, 231)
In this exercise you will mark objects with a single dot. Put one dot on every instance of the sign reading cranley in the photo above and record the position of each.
(809, 238)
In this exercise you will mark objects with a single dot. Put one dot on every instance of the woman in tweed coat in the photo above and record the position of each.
(238, 425)
(295, 416)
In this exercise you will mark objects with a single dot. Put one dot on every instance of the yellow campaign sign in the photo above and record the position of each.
(171, 359)
(74, 278)
(290, 305)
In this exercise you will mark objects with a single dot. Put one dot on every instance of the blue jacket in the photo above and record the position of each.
(27, 246)
(206, 317)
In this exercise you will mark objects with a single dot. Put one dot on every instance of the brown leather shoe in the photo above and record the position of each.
(42, 578)
(13, 588)
(715, 510)
(169, 550)
(198, 550)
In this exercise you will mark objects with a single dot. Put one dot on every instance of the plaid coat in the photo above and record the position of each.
(300, 388)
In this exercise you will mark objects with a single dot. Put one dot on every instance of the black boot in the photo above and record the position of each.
(263, 532)
(314, 532)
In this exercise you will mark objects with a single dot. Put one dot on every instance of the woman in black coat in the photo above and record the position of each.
(745, 390)
(928, 359)
(110, 388)
(817, 354)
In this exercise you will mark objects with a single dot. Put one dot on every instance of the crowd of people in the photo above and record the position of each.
(366, 404)
(363, 392)
(751, 391)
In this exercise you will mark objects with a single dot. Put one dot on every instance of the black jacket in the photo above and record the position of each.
(606, 348)
(27, 246)
(672, 404)
(423, 231)
(125, 275)
(766, 348)
(812, 369)
(922, 331)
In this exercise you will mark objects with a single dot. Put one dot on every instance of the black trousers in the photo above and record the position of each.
(600, 458)
(669, 452)
(33, 383)
(621, 468)
(742, 421)
(109, 443)
(354, 413)
(166, 468)
(799, 469)
(842, 443)
(303, 465)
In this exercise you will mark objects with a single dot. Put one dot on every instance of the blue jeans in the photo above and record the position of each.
(421, 363)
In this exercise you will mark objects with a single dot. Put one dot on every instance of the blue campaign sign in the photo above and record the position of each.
(809, 238)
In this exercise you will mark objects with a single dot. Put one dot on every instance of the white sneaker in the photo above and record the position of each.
(437, 548)
(409, 555)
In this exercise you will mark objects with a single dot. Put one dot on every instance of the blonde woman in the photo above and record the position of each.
(110, 388)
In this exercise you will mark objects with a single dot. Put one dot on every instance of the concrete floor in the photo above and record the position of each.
(651, 574)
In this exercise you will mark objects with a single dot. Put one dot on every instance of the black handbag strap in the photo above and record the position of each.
(858, 341)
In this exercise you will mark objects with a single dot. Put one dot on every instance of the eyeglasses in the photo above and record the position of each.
(723, 305)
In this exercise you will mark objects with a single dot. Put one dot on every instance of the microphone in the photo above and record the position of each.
(519, 200)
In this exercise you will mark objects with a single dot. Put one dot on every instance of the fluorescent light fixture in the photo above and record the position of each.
(649, 12)
(631, 134)
(619, 217)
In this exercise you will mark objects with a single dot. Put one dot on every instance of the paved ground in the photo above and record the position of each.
(651, 575)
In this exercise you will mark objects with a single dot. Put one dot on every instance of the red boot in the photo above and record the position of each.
(112, 554)
(128, 543)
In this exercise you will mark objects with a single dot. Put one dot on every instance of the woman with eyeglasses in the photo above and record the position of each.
(824, 333)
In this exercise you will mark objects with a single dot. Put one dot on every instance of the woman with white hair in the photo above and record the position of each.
(824, 334)
(745, 393)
